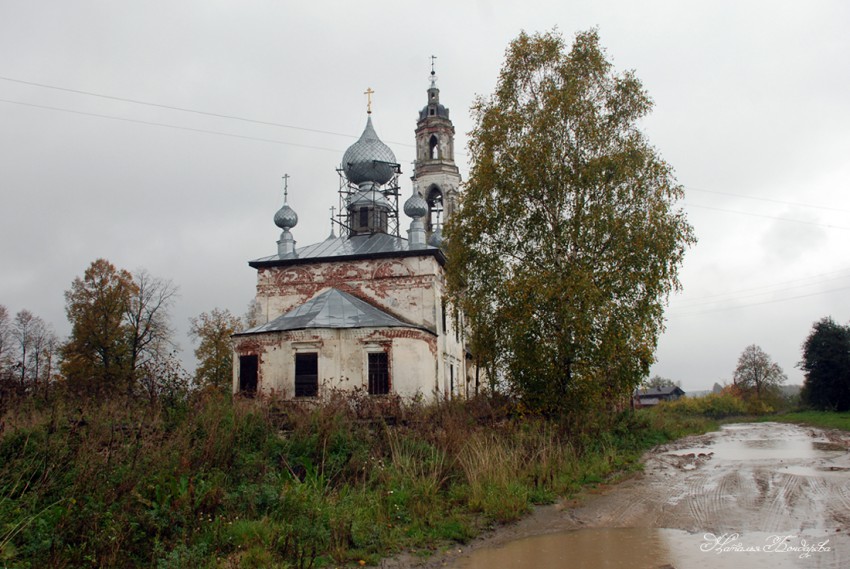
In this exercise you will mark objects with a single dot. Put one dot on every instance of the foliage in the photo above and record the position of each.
(713, 406)
(119, 328)
(826, 364)
(212, 482)
(214, 352)
(756, 373)
(656, 381)
(567, 240)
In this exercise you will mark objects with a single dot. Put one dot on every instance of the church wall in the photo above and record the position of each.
(402, 286)
(342, 359)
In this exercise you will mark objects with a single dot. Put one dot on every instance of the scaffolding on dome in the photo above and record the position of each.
(390, 191)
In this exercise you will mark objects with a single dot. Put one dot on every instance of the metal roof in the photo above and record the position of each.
(374, 245)
(332, 308)
(656, 391)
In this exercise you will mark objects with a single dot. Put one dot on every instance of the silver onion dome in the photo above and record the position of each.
(436, 239)
(368, 159)
(286, 218)
(415, 206)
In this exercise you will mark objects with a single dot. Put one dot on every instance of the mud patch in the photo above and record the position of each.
(648, 548)
(753, 480)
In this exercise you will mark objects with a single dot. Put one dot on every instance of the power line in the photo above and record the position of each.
(771, 200)
(767, 216)
(186, 110)
(728, 308)
(751, 291)
(165, 125)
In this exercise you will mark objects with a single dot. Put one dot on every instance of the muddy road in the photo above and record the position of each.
(751, 495)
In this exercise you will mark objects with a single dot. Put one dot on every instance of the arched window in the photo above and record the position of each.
(434, 147)
(435, 207)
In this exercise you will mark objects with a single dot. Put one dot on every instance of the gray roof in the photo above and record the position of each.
(332, 308)
(658, 391)
(376, 244)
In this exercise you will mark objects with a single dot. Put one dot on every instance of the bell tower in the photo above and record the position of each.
(435, 175)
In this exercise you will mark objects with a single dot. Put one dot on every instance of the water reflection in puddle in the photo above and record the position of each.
(645, 548)
(795, 447)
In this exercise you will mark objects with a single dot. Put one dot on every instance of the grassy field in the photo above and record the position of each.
(214, 483)
(825, 419)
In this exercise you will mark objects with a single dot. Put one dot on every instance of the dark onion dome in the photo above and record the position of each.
(415, 207)
(369, 159)
(286, 218)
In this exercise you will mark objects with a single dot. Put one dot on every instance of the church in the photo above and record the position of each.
(365, 309)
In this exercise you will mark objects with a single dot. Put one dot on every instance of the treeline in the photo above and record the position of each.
(121, 341)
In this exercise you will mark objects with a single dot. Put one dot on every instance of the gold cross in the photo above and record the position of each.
(368, 92)
(285, 186)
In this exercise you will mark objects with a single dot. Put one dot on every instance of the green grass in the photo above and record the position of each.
(215, 483)
(824, 419)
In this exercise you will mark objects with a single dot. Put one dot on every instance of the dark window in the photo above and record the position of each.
(248, 366)
(457, 327)
(452, 378)
(306, 375)
(379, 374)
(445, 329)
(364, 217)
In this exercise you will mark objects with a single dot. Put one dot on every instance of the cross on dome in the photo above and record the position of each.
(369, 92)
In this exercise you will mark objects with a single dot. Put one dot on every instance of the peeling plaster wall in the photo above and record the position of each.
(402, 286)
(342, 358)
(410, 288)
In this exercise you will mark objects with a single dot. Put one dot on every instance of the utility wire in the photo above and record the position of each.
(728, 308)
(771, 200)
(164, 125)
(767, 216)
(738, 296)
(720, 296)
(187, 110)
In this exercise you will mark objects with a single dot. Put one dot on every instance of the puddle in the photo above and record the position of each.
(794, 446)
(754, 479)
(645, 548)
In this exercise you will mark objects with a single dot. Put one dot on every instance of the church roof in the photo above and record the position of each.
(332, 308)
(375, 245)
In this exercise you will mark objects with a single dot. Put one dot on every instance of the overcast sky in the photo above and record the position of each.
(752, 108)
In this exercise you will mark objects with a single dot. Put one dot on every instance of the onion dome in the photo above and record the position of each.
(415, 206)
(436, 239)
(286, 218)
(369, 159)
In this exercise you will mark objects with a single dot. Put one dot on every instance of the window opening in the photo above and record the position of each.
(434, 147)
(248, 367)
(306, 375)
(379, 374)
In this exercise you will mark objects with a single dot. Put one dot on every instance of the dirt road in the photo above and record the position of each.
(751, 495)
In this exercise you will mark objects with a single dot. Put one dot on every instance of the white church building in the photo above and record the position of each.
(364, 309)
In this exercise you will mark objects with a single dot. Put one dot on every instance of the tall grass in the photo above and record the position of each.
(211, 482)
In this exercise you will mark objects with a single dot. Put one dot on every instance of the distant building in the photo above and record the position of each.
(655, 395)
(364, 309)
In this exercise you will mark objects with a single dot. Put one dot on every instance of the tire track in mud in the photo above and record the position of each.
(779, 501)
